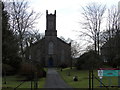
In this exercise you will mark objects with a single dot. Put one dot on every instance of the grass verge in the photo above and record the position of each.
(83, 79)
(14, 81)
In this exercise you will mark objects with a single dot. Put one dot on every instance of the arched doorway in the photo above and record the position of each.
(50, 62)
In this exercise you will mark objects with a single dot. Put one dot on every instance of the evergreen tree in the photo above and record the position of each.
(9, 42)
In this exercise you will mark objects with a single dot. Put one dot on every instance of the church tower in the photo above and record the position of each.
(51, 39)
(51, 51)
(50, 24)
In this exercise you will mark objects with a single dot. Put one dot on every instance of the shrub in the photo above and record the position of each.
(89, 60)
(14, 62)
(7, 70)
(39, 68)
(29, 71)
(63, 65)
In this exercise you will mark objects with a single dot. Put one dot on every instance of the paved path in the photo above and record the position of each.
(54, 80)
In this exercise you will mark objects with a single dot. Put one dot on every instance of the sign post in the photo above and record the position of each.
(109, 72)
(100, 81)
(100, 74)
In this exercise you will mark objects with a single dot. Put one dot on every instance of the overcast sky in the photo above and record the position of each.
(67, 12)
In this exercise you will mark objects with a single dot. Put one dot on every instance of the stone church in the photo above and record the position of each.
(51, 50)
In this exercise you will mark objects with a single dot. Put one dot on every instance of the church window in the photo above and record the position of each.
(50, 48)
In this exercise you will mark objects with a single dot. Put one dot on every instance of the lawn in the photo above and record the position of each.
(83, 81)
(14, 81)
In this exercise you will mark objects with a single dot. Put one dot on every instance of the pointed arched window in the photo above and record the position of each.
(50, 48)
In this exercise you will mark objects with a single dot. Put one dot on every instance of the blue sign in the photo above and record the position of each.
(108, 72)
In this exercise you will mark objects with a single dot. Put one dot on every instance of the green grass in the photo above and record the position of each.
(83, 81)
(46, 69)
(14, 81)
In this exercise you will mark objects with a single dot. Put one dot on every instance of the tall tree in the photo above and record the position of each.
(112, 25)
(111, 37)
(9, 41)
(32, 37)
(22, 20)
(112, 22)
(75, 49)
(93, 16)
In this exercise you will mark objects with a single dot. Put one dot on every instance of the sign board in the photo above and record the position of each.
(108, 72)
(100, 72)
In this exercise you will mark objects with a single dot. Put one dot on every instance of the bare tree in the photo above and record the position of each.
(22, 20)
(112, 21)
(112, 26)
(75, 49)
(75, 46)
(90, 48)
(32, 37)
(93, 16)
(111, 36)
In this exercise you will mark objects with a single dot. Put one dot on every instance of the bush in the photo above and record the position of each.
(63, 65)
(29, 71)
(88, 60)
(7, 70)
(14, 62)
(39, 68)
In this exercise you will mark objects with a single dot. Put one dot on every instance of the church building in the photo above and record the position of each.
(51, 50)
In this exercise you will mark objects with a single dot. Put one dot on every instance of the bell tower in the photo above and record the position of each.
(50, 24)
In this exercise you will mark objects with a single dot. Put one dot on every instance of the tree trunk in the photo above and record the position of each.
(95, 43)
(98, 43)
(22, 51)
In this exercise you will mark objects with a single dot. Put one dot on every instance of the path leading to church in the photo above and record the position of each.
(54, 80)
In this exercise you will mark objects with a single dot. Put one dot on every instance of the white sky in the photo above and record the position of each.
(67, 12)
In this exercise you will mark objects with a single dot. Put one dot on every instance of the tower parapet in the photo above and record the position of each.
(50, 24)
